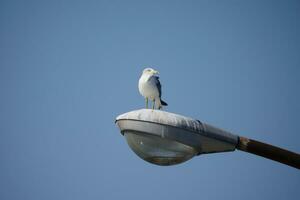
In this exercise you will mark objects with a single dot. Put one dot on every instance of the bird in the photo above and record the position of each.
(150, 88)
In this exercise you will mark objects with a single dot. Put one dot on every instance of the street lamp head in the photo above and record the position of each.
(165, 138)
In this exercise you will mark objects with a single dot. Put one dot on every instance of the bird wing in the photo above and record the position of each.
(156, 81)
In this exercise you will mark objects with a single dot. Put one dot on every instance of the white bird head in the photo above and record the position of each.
(150, 71)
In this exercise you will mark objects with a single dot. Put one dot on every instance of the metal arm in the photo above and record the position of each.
(269, 151)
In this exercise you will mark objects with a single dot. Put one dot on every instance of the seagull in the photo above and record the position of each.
(150, 88)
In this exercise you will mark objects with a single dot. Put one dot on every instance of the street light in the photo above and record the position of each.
(164, 138)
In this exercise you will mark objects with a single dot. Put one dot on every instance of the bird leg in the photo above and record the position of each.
(153, 105)
(146, 102)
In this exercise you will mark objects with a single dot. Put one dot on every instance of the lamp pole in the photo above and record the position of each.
(269, 151)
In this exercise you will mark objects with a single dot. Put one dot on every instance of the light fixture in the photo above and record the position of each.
(164, 138)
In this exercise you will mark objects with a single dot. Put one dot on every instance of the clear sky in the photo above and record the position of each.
(68, 68)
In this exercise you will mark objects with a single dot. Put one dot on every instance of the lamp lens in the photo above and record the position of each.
(157, 150)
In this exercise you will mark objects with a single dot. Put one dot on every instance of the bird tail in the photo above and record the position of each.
(160, 103)
(163, 103)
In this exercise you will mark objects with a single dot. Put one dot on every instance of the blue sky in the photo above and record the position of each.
(68, 68)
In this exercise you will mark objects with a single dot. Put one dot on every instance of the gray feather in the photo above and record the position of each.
(155, 79)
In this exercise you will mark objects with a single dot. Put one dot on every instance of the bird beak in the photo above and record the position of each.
(155, 72)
